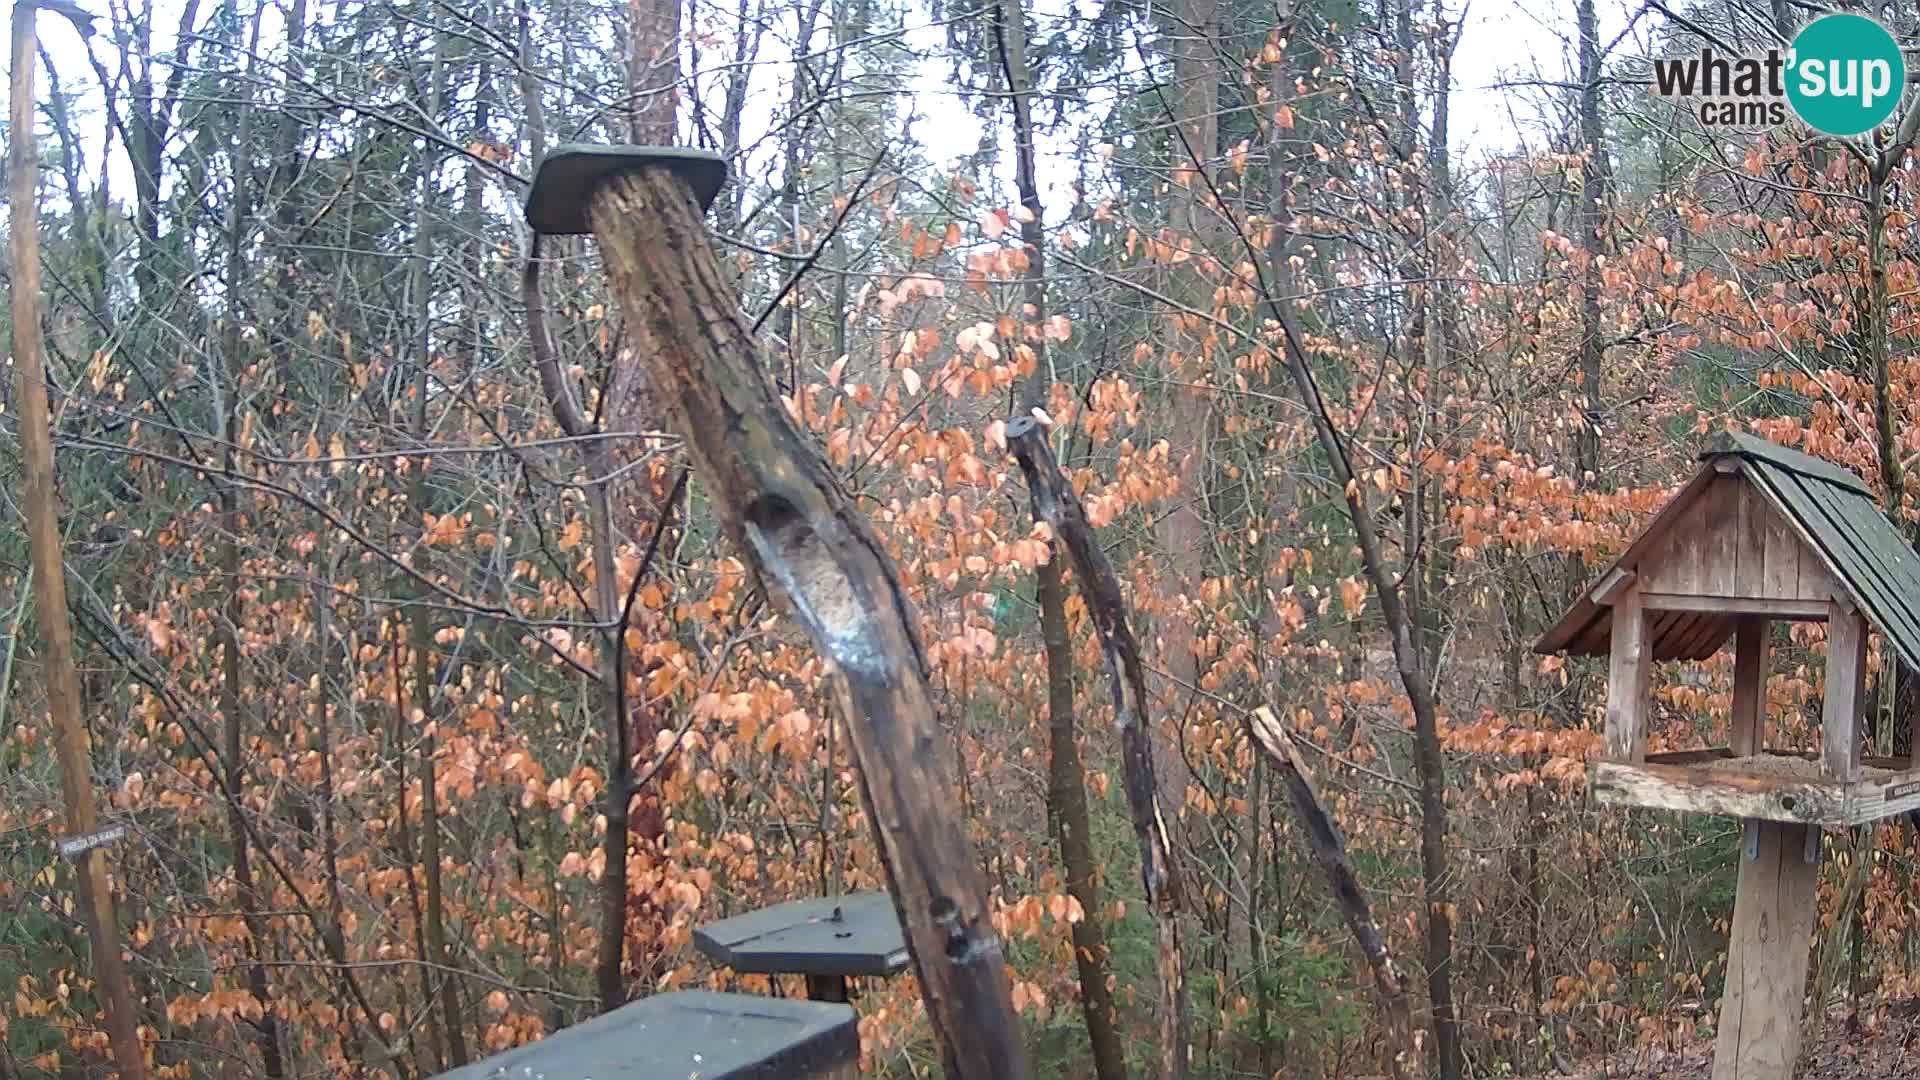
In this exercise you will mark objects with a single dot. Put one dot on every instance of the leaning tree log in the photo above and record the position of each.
(1329, 849)
(781, 505)
(1055, 503)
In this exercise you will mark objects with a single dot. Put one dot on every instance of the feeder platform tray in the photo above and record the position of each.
(564, 184)
(693, 1035)
(827, 939)
(1771, 787)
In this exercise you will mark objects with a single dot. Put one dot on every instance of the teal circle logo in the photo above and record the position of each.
(1845, 74)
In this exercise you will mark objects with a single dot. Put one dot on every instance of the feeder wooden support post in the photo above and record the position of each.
(1747, 728)
(1846, 691)
(780, 504)
(1767, 953)
(1776, 901)
(1629, 666)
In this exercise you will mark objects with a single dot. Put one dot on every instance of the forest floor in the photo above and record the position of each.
(1888, 1049)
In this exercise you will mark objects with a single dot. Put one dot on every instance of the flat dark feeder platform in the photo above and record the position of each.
(564, 183)
(827, 939)
(693, 1035)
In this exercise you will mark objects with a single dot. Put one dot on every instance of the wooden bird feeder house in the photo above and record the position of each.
(1760, 534)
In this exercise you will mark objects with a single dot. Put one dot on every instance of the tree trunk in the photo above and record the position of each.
(42, 512)
(1403, 628)
(233, 611)
(1183, 532)
(653, 78)
(419, 618)
(1593, 178)
(782, 507)
(1066, 778)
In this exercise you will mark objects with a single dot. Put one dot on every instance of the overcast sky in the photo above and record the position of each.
(1507, 48)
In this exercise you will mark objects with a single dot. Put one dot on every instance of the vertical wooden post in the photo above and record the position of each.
(1747, 730)
(1846, 691)
(1630, 664)
(1773, 914)
(49, 575)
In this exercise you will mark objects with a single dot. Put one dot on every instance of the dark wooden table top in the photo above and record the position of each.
(691, 1035)
(858, 934)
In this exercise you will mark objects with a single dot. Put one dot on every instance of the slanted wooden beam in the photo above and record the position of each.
(1846, 691)
(1611, 585)
(1628, 672)
(1773, 912)
(817, 554)
(1747, 730)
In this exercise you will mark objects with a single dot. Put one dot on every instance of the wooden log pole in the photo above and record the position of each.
(1773, 915)
(49, 571)
(779, 503)
(1055, 503)
(1329, 849)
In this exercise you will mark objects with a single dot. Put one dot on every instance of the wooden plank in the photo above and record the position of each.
(1679, 566)
(1875, 800)
(1630, 664)
(1668, 630)
(1773, 914)
(1704, 790)
(1747, 728)
(1751, 543)
(1580, 617)
(1719, 535)
(1813, 610)
(1781, 574)
(1593, 640)
(1846, 693)
(1709, 633)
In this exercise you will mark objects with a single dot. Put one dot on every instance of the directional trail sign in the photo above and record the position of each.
(75, 846)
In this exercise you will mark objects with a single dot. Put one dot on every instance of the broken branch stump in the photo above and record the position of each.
(1055, 503)
(1329, 849)
(780, 504)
